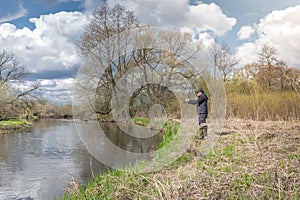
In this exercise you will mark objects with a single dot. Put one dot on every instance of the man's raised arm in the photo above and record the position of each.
(191, 101)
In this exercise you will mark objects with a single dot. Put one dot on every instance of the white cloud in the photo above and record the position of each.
(6, 29)
(280, 29)
(179, 14)
(50, 46)
(245, 32)
(20, 13)
(209, 17)
(59, 90)
(57, 84)
(248, 53)
(207, 40)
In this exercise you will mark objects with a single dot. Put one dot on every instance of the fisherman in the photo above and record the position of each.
(202, 111)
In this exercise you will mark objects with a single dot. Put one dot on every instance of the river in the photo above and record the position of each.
(41, 163)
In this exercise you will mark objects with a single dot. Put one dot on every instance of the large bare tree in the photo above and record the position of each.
(101, 49)
(103, 45)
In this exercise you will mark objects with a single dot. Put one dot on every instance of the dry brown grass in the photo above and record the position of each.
(264, 106)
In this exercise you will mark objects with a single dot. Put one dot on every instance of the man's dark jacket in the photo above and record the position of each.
(201, 104)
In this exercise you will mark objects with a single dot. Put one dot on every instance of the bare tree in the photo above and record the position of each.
(169, 67)
(104, 44)
(292, 76)
(270, 72)
(10, 68)
(224, 59)
(101, 47)
(267, 55)
(14, 102)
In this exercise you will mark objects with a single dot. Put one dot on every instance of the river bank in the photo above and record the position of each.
(10, 126)
(259, 160)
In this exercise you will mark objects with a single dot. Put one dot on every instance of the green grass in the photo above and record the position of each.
(7, 126)
(170, 130)
(294, 156)
(13, 123)
(35, 117)
(141, 121)
(104, 118)
(104, 186)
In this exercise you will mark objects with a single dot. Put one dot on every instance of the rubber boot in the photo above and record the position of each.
(204, 130)
(201, 133)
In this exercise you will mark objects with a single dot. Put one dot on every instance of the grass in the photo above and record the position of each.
(260, 161)
(170, 130)
(34, 117)
(141, 121)
(104, 118)
(14, 123)
(10, 126)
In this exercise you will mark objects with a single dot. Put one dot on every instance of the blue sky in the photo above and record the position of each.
(42, 33)
(35, 8)
(248, 13)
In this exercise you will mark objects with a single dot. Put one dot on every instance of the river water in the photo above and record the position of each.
(41, 163)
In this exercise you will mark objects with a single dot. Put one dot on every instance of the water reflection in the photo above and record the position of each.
(130, 143)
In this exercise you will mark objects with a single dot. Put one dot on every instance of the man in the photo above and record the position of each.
(202, 111)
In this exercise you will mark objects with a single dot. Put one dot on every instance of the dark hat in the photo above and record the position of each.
(199, 90)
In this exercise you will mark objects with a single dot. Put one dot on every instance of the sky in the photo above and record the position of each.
(42, 33)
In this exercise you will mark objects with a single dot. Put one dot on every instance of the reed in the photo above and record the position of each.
(264, 106)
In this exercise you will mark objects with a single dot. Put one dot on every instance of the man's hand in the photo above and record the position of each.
(187, 100)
